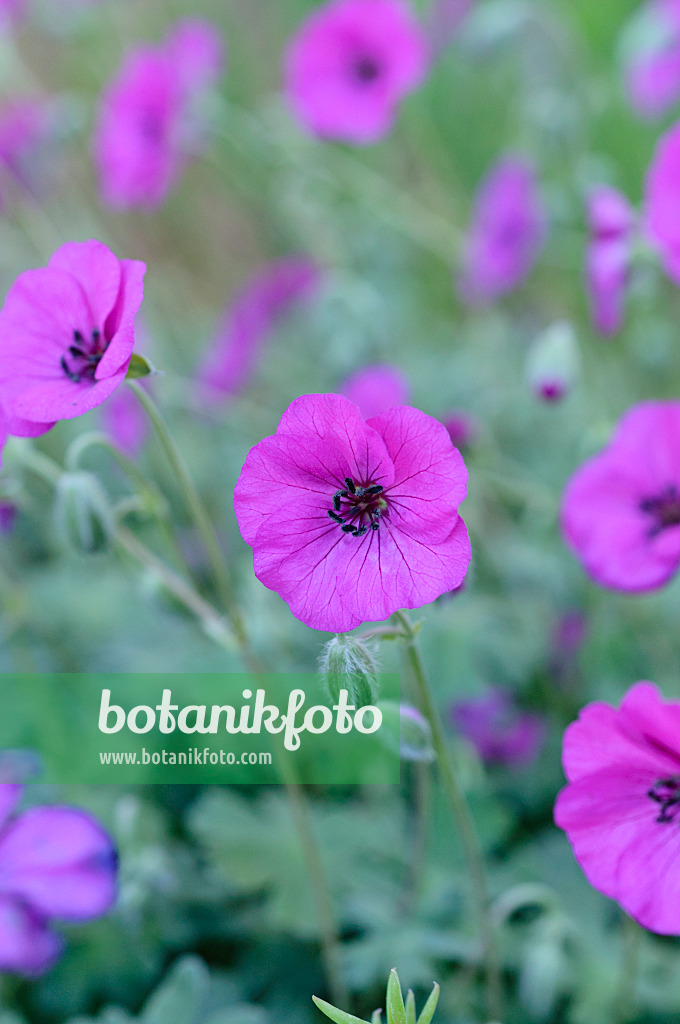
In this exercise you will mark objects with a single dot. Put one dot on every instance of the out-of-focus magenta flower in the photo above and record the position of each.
(498, 729)
(249, 320)
(507, 233)
(8, 516)
(350, 519)
(25, 126)
(377, 388)
(66, 335)
(463, 428)
(611, 222)
(621, 509)
(661, 207)
(445, 18)
(621, 809)
(148, 125)
(569, 634)
(11, 11)
(350, 64)
(56, 863)
(125, 421)
(653, 70)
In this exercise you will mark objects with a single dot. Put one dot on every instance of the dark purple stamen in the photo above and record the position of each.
(362, 507)
(666, 792)
(664, 509)
(85, 356)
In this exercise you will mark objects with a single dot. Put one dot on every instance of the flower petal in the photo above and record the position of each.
(97, 270)
(26, 944)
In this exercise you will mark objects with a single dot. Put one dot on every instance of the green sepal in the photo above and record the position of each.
(376, 1017)
(427, 1012)
(139, 367)
(336, 1015)
(410, 1007)
(396, 1011)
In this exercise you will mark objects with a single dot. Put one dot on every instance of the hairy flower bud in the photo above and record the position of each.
(348, 664)
(82, 513)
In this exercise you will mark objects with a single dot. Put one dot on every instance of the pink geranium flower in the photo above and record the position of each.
(498, 729)
(350, 519)
(621, 509)
(56, 863)
(662, 210)
(621, 809)
(653, 69)
(349, 66)
(376, 388)
(148, 125)
(507, 233)
(249, 320)
(611, 221)
(66, 335)
(25, 127)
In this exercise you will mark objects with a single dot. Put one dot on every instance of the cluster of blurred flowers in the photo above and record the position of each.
(352, 506)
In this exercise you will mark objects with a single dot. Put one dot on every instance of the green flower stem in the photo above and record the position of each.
(462, 819)
(198, 513)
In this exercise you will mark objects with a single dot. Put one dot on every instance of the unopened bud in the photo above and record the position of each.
(82, 513)
(348, 664)
(553, 362)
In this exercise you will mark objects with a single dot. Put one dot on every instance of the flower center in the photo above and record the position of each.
(664, 509)
(83, 356)
(357, 510)
(666, 793)
(366, 69)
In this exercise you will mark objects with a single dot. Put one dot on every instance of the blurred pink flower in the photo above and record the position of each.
(653, 70)
(498, 729)
(444, 20)
(377, 388)
(125, 421)
(25, 126)
(621, 509)
(611, 222)
(147, 125)
(56, 863)
(349, 519)
(11, 11)
(350, 64)
(463, 428)
(249, 320)
(621, 809)
(507, 233)
(8, 516)
(66, 335)
(661, 206)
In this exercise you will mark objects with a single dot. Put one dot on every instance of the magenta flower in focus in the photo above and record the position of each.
(611, 222)
(350, 64)
(249, 320)
(621, 509)
(377, 388)
(661, 207)
(56, 863)
(498, 729)
(507, 233)
(351, 520)
(653, 70)
(66, 335)
(148, 126)
(621, 809)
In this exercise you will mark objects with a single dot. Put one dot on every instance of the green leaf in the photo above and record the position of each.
(396, 1011)
(181, 997)
(410, 1007)
(139, 367)
(427, 1012)
(376, 1017)
(336, 1015)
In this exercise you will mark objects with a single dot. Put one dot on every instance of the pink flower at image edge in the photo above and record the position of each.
(621, 808)
(67, 334)
(56, 863)
(350, 520)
